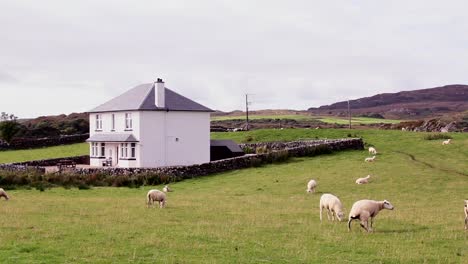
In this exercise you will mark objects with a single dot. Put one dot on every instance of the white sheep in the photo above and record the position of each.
(333, 205)
(372, 151)
(370, 159)
(365, 209)
(167, 189)
(4, 194)
(363, 180)
(446, 142)
(466, 214)
(311, 186)
(156, 195)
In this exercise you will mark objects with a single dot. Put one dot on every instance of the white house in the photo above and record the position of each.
(149, 126)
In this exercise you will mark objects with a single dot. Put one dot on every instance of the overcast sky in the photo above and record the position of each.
(70, 56)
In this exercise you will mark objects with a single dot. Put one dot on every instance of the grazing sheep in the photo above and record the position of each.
(363, 180)
(167, 189)
(156, 195)
(311, 186)
(446, 142)
(4, 194)
(466, 214)
(365, 209)
(333, 205)
(372, 151)
(370, 159)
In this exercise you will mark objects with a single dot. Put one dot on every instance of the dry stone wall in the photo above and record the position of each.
(278, 151)
(22, 143)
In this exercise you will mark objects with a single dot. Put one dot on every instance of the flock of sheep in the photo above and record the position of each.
(364, 210)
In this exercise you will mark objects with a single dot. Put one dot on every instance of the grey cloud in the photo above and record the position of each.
(293, 54)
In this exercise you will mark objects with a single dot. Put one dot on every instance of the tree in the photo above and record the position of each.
(7, 117)
(8, 126)
(8, 130)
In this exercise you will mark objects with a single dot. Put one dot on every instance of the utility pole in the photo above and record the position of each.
(349, 115)
(247, 111)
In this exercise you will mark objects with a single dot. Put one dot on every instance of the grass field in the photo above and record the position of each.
(44, 153)
(331, 120)
(259, 215)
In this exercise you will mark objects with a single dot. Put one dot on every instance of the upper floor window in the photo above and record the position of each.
(113, 122)
(128, 121)
(98, 122)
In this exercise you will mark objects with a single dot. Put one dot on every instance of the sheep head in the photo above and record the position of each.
(387, 205)
(340, 216)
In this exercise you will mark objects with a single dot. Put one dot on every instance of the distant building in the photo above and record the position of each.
(149, 126)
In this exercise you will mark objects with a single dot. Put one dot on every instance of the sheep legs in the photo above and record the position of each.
(365, 222)
(466, 223)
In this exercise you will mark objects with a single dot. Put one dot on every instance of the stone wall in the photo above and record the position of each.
(279, 152)
(53, 162)
(20, 168)
(27, 143)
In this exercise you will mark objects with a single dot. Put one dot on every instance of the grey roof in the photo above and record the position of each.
(112, 137)
(142, 97)
(231, 145)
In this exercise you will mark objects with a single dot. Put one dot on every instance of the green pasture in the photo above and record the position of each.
(259, 215)
(44, 153)
(330, 120)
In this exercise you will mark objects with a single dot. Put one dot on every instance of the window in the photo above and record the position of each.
(128, 151)
(128, 121)
(124, 150)
(103, 149)
(113, 122)
(133, 152)
(98, 122)
(95, 149)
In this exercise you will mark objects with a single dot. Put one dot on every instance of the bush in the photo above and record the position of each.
(262, 150)
(248, 150)
(83, 186)
(437, 136)
(248, 139)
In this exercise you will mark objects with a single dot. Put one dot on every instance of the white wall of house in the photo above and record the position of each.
(152, 129)
(119, 127)
(174, 138)
(165, 138)
(187, 138)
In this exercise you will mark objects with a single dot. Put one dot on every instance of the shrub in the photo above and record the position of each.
(437, 136)
(248, 139)
(248, 150)
(262, 150)
(83, 186)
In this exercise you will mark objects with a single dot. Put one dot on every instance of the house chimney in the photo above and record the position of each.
(159, 93)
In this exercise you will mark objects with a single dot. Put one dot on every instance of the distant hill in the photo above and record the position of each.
(407, 104)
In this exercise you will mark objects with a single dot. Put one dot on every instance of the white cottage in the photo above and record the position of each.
(149, 126)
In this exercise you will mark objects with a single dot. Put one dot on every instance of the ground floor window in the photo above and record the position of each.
(94, 149)
(103, 149)
(128, 150)
(133, 147)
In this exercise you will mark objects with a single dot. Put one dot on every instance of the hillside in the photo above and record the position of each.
(407, 104)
